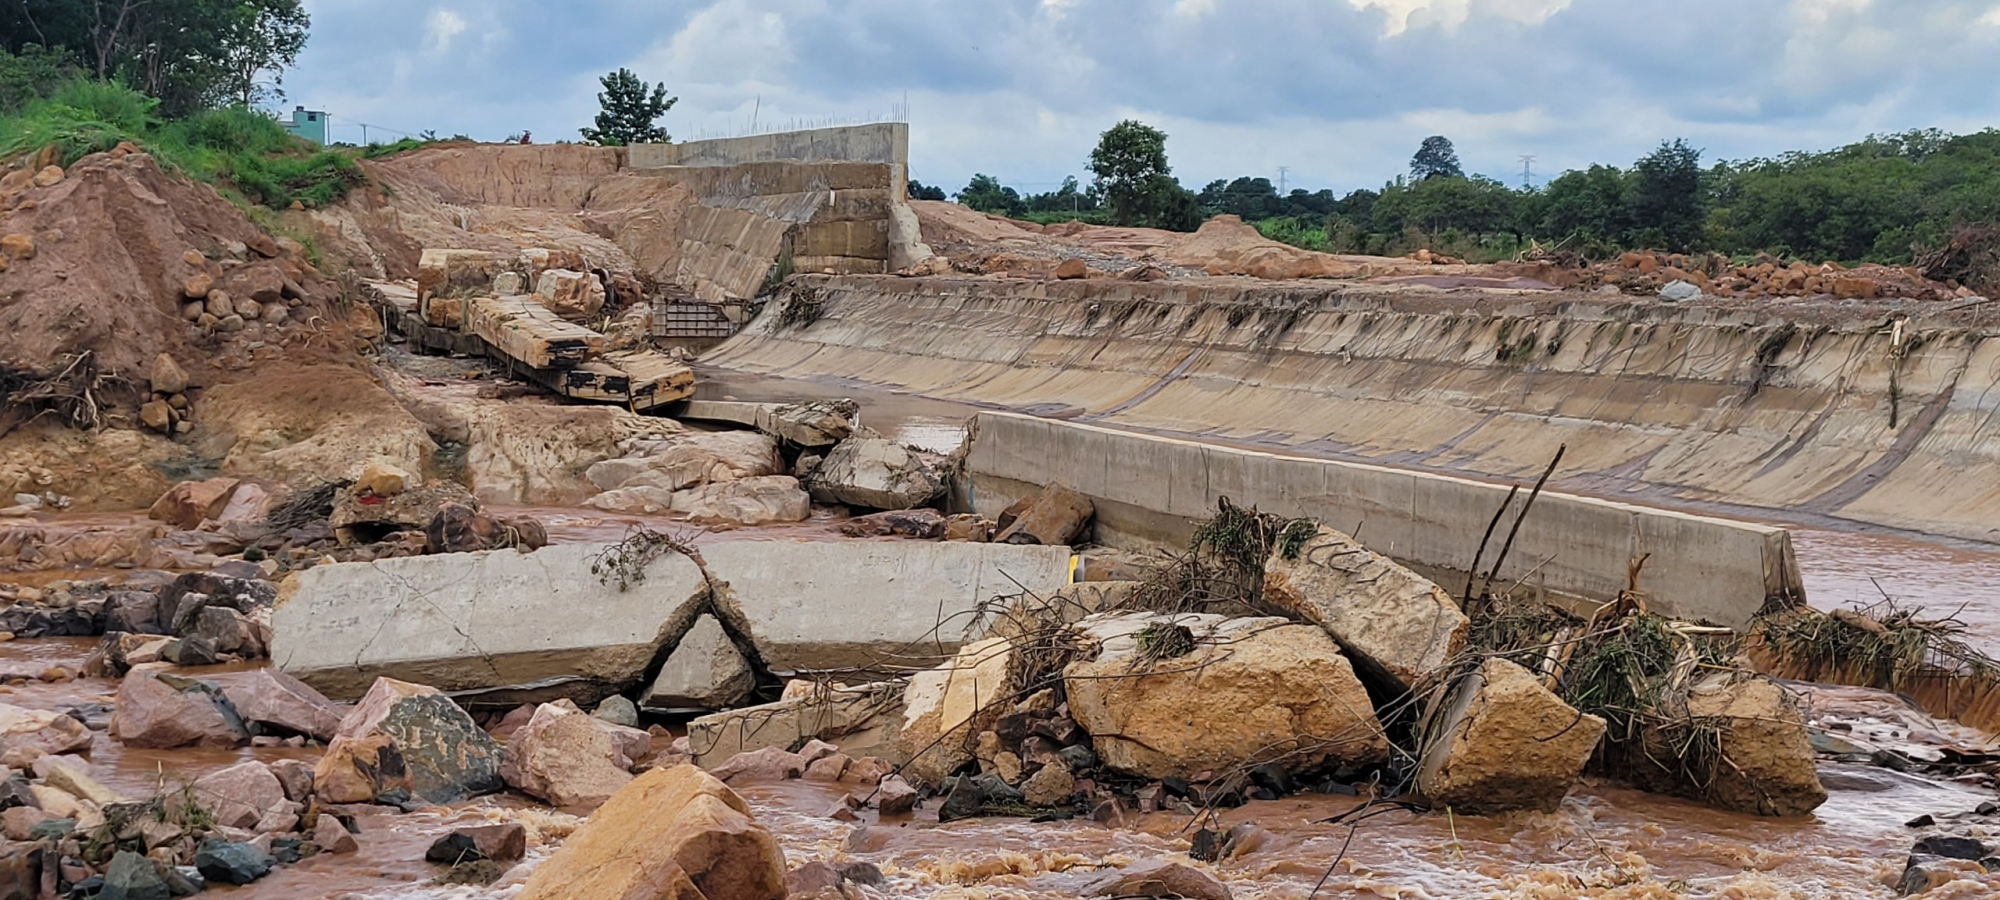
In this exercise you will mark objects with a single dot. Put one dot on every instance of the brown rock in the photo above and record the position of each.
(1855, 288)
(1051, 785)
(152, 713)
(194, 259)
(1765, 764)
(264, 245)
(968, 528)
(827, 768)
(198, 286)
(380, 479)
(18, 824)
(333, 837)
(296, 775)
(167, 376)
(157, 415)
(45, 731)
(505, 842)
(188, 504)
(894, 796)
(1502, 742)
(923, 524)
(18, 246)
(262, 283)
(1396, 624)
(673, 834)
(1072, 269)
(1158, 878)
(1054, 518)
(564, 757)
(218, 304)
(445, 753)
(767, 764)
(49, 176)
(357, 770)
(273, 698)
(1252, 690)
(248, 796)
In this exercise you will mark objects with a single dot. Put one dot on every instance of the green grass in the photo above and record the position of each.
(240, 150)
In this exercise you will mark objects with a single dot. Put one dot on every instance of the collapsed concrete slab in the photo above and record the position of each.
(1502, 742)
(544, 623)
(1175, 696)
(814, 423)
(822, 606)
(705, 671)
(1398, 625)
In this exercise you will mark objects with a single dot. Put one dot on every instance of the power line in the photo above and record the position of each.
(1527, 173)
(1282, 170)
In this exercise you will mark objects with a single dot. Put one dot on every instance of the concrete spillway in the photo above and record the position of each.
(1820, 413)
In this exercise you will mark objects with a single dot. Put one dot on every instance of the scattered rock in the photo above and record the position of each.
(1503, 742)
(359, 770)
(1682, 292)
(247, 795)
(1251, 690)
(705, 671)
(1051, 785)
(333, 837)
(231, 863)
(167, 376)
(447, 755)
(1054, 518)
(894, 796)
(562, 756)
(923, 524)
(767, 764)
(1072, 269)
(969, 528)
(1159, 878)
(380, 479)
(618, 710)
(670, 833)
(49, 176)
(17, 246)
(42, 730)
(1923, 874)
(1397, 624)
(188, 504)
(762, 500)
(133, 877)
(296, 775)
(504, 842)
(278, 701)
(163, 712)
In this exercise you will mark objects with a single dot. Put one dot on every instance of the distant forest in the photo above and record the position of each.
(1885, 199)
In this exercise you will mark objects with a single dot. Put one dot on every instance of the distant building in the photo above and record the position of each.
(308, 124)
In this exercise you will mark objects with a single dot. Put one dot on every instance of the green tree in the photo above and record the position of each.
(921, 191)
(1435, 159)
(986, 194)
(1128, 161)
(1667, 203)
(1591, 205)
(190, 54)
(629, 107)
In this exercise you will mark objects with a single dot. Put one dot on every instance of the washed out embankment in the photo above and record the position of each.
(1857, 411)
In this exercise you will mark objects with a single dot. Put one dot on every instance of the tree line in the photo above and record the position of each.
(189, 54)
(1881, 199)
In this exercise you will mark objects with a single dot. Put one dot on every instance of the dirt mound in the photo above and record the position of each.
(1226, 245)
(102, 261)
(502, 198)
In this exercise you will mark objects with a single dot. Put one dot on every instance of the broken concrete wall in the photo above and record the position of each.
(817, 606)
(476, 621)
(1151, 489)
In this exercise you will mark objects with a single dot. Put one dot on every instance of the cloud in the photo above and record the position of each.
(443, 26)
(1340, 92)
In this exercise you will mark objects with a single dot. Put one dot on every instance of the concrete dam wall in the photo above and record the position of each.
(1863, 417)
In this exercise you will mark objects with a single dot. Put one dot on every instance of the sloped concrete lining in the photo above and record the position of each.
(819, 606)
(1154, 490)
(473, 621)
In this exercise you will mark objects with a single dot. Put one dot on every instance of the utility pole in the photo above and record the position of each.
(1281, 179)
(1527, 173)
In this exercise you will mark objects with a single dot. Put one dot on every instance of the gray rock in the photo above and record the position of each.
(705, 671)
(871, 471)
(1679, 292)
(618, 711)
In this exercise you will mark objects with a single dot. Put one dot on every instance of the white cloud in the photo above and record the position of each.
(1450, 14)
(444, 25)
(1992, 17)
(1194, 8)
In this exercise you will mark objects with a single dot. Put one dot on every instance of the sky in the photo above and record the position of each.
(1338, 92)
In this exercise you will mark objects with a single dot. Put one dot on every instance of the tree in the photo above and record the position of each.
(1592, 205)
(986, 194)
(190, 54)
(1435, 159)
(268, 38)
(1128, 161)
(921, 191)
(1667, 203)
(628, 111)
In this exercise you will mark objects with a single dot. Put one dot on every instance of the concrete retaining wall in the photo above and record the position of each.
(883, 142)
(1154, 489)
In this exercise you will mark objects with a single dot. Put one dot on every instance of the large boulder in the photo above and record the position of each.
(1502, 742)
(185, 505)
(40, 729)
(1741, 744)
(813, 423)
(476, 621)
(1396, 624)
(762, 500)
(946, 708)
(1174, 696)
(564, 757)
(247, 795)
(359, 770)
(448, 756)
(842, 605)
(672, 834)
(871, 471)
(572, 295)
(161, 712)
(705, 671)
(363, 517)
(276, 701)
